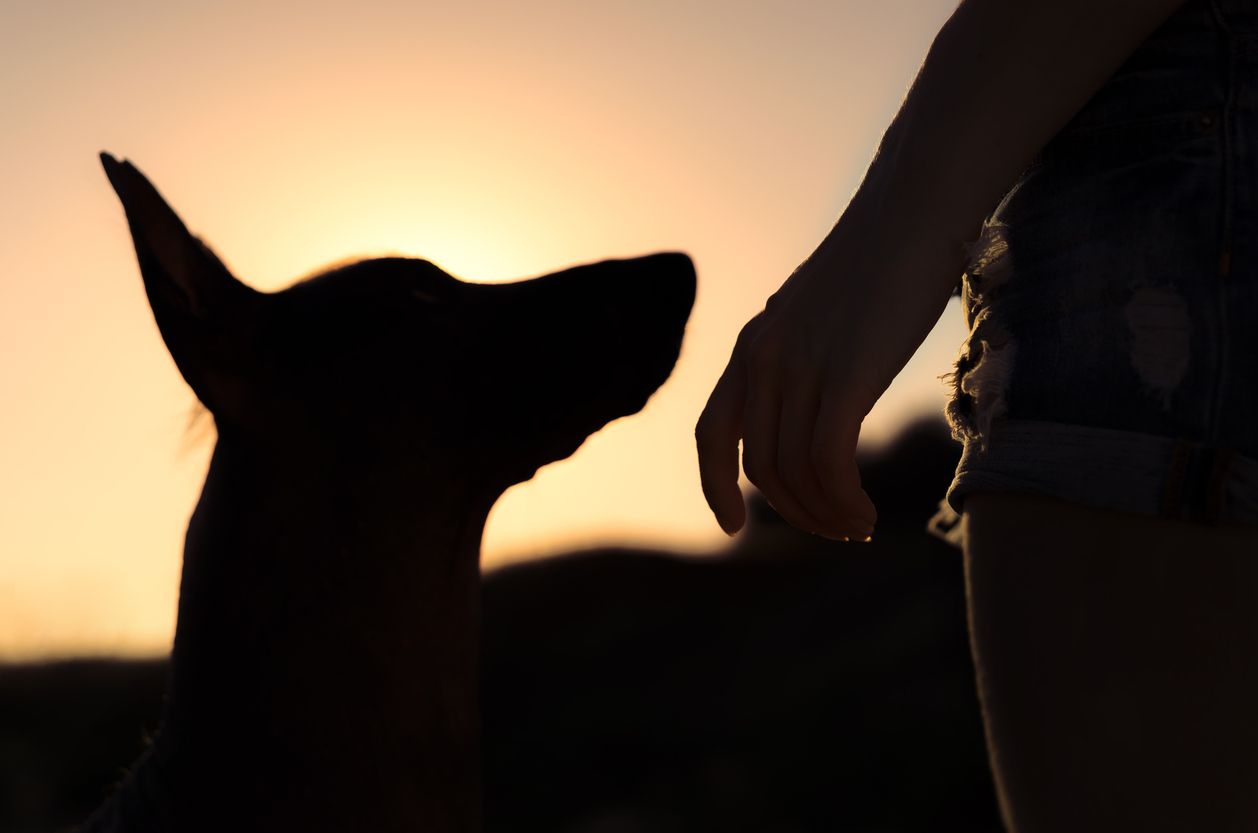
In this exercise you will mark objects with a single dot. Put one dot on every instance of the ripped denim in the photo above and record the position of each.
(1112, 296)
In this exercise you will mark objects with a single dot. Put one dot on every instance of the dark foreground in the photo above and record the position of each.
(787, 684)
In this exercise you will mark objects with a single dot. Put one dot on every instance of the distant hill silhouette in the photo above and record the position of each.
(787, 683)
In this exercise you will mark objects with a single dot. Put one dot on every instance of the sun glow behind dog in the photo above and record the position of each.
(500, 141)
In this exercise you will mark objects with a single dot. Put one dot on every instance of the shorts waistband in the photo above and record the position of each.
(1110, 469)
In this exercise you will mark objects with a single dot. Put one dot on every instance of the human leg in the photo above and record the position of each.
(1117, 661)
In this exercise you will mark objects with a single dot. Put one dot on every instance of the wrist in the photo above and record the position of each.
(901, 247)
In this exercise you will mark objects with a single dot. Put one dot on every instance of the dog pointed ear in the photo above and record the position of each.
(178, 269)
(199, 305)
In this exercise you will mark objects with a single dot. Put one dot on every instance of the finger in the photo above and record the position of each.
(760, 451)
(835, 436)
(794, 459)
(716, 439)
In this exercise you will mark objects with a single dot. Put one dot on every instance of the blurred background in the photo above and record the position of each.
(499, 140)
(775, 682)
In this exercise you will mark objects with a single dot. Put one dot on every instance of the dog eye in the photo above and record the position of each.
(423, 297)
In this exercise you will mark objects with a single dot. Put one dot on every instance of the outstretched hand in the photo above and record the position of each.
(805, 372)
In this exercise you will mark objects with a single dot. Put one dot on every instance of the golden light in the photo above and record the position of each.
(497, 140)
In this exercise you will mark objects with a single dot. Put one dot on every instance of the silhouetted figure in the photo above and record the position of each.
(324, 666)
(1085, 170)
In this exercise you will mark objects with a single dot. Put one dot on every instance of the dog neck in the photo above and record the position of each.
(324, 666)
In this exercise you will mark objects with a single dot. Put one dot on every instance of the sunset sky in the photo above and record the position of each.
(499, 140)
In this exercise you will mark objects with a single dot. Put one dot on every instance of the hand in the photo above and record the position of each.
(806, 371)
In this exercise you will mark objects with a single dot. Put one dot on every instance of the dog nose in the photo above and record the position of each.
(666, 279)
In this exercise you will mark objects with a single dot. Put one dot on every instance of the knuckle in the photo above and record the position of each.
(759, 361)
(703, 429)
(711, 428)
(764, 357)
(791, 372)
(748, 334)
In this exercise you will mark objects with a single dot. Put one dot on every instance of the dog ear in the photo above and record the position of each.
(197, 302)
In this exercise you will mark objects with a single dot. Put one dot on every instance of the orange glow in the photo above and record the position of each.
(498, 140)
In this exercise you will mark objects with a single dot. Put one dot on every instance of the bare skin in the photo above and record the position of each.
(1115, 653)
(1116, 666)
(1000, 80)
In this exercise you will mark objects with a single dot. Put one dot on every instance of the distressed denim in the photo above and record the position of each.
(1112, 295)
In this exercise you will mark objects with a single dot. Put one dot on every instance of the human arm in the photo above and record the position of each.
(1000, 79)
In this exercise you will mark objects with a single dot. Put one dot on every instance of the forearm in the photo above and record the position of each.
(1001, 79)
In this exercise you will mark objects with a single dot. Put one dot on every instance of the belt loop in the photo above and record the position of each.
(1215, 496)
(1196, 482)
(1173, 493)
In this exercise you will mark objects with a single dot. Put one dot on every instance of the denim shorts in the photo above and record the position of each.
(1112, 296)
